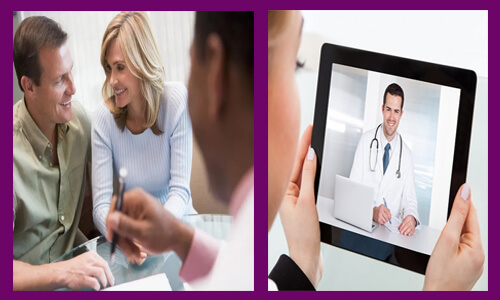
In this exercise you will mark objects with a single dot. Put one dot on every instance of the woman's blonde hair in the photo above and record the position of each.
(133, 33)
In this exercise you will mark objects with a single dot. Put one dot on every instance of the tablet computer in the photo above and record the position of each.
(423, 111)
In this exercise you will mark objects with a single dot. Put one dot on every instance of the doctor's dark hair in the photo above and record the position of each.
(236, 32)
(33, 34)
(395, 90)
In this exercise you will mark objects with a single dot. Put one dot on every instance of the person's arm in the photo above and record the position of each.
(201, 256)
(42, 277)
(457, 260)
(85, 270)
(102, 170)
(181, 154)
(288, 276)
(142, 219)
(299, 215)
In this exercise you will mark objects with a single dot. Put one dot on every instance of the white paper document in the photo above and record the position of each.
(158, 282)
(391, 228)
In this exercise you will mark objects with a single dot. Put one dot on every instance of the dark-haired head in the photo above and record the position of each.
(221, 96)
(33, 34)
(235, 29)
(395, 90)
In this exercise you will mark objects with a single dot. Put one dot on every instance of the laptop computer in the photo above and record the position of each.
(353, 203)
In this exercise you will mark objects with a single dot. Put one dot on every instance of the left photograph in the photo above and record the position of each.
(133, 151)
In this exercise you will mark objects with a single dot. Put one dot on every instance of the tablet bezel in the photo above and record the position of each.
(465, 80)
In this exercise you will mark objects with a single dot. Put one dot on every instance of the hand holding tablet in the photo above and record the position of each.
(298, 213)
(458, 258)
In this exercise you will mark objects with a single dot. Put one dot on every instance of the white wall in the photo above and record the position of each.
(455, 38)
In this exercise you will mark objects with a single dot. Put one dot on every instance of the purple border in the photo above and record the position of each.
(260, 129)
(260, 149)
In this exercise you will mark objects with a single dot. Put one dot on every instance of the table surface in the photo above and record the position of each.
(169, 263)
(423, 240)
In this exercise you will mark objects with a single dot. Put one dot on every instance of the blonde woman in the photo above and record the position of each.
(457, 260)
(143, 124)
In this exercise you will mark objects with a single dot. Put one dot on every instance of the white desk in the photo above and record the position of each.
(423, 240)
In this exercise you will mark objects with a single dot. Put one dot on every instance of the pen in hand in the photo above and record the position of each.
(118, 207)
(385, 204)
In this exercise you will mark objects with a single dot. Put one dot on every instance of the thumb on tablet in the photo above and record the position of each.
(308, 176)
(459, 212)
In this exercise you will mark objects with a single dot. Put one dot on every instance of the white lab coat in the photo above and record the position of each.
(399, 193)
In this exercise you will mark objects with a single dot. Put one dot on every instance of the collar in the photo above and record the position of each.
(35, 136)
(393, 143)
(241, 191)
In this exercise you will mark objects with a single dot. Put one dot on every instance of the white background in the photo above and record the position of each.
(455, 38)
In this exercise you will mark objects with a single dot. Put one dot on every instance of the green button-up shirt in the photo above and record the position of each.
(48, 199)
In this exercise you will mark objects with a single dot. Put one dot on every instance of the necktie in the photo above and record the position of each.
(386, 156)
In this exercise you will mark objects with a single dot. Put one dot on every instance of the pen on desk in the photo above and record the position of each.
(118, 207)
(387, 207)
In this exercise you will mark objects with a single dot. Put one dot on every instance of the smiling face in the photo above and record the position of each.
(284, 110)
(392, 113)
(52, 97)
(125, 85)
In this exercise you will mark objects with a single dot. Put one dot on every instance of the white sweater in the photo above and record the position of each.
(159, 164)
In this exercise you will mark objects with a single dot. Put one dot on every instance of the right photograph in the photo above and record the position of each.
(386, 188)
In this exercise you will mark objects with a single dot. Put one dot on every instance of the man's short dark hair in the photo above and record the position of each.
(395, 90)
(236, 32)
(32, 35)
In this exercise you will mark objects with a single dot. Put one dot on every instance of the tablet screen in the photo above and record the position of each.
(423, 128)
(392, 138)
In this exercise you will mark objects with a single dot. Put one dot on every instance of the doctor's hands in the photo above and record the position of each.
(299, 215)
(143, 220)
(381, 214)
(458, 258)
(408, 225)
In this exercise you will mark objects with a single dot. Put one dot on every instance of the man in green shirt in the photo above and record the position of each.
(51, 151)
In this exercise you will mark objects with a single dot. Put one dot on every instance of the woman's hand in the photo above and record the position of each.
(298, 213)
(458, 258)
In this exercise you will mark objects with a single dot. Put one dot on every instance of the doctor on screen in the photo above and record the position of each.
(384, 160)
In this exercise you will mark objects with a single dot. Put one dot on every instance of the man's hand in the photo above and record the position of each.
(457, 260)
(381, 214)
(298, 213)
(408, 225)
(143, 220)
(85, 270)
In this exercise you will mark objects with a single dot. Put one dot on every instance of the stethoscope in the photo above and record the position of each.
(398, 172)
